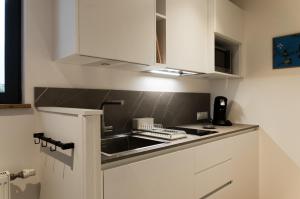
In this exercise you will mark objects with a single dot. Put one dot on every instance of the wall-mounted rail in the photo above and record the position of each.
(40, 138)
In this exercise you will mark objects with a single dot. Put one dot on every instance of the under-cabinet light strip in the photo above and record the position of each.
(172, 72)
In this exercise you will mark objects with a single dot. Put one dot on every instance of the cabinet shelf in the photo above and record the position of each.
(161, 7)
(160, 31)
(160, 17)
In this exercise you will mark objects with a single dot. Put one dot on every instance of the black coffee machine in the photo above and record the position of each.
(220, 107)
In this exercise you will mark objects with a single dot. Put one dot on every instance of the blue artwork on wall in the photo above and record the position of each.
(286, 51)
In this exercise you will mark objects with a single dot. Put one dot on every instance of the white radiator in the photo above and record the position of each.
(4, 185)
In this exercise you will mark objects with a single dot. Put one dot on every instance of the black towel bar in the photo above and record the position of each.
(39, 138)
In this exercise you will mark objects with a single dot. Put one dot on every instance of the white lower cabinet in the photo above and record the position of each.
(168, 176)
(213, 167)
(213, 180)
(224, 169)
(245, 166)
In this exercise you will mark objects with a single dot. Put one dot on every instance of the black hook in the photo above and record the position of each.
(53, 148)
(40, 138)
(42, 144)
(37, 141)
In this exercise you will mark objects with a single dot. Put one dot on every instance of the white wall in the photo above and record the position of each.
(17, 150)
(270, 97)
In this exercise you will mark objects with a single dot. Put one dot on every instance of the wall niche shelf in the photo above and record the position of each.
(15, 106)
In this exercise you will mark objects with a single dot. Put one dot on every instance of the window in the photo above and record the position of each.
(10, 51)
(2, 45)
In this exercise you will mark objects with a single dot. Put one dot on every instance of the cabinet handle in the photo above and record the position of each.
(217, 189)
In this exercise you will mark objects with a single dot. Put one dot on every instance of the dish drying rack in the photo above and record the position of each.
(157, 131)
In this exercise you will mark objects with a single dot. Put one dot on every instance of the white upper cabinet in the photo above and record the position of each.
(226, 32)
(192, 29)
(187, 34)
(176, 34)
(229, 19)
(89, 31)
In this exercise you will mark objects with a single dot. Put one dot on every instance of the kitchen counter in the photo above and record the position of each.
(172, 146)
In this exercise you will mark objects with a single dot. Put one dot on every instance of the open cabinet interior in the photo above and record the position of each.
(161, 31)
(234, 48)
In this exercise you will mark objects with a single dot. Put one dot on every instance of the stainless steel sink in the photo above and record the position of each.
(120, 144)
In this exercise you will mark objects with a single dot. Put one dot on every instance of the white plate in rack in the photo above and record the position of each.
(167, 134)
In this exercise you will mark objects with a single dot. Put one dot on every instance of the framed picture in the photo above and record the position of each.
(286, 51)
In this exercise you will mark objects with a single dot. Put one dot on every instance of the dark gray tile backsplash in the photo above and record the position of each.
(168, 108)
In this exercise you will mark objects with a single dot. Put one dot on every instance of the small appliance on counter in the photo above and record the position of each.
(146, 127)
(220, 109)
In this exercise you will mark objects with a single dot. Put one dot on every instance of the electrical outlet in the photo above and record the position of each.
(202, 115)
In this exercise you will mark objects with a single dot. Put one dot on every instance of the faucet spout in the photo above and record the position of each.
(108, 103)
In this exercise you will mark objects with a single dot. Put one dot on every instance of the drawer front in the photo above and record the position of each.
(212, 154)
(214, 182)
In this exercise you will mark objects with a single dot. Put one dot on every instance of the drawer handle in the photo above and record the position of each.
(217, 189)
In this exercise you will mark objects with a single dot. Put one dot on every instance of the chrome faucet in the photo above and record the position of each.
(105, 129)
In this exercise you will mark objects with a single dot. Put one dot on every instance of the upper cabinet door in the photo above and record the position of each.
(229, 19)
(187, 34)
(118, 30)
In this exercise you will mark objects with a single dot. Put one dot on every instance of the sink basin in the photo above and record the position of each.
(125, 143)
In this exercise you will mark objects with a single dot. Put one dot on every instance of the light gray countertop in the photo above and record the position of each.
(188, 142)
